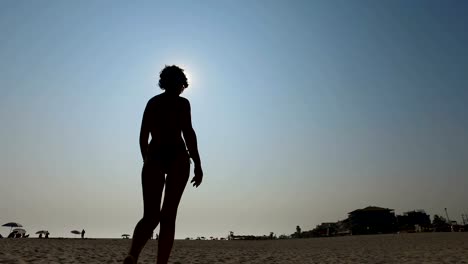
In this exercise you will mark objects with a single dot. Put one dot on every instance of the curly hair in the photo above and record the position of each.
(172, 78)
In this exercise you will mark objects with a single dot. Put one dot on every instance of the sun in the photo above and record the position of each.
(189, 75)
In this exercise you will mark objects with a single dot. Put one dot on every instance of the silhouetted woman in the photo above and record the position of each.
(166, 118)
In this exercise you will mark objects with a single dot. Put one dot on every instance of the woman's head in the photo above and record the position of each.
(172, 79)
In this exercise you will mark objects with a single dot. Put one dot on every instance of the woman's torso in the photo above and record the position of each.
(165, 121)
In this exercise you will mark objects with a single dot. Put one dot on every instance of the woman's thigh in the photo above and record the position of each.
(176, 180)
(152, 180)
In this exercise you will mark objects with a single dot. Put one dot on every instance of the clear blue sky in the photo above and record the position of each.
(304, 110)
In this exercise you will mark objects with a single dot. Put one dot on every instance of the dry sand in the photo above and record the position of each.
(402, 248)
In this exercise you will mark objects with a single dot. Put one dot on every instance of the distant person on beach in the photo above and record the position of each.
(82, 233)
(166, 163)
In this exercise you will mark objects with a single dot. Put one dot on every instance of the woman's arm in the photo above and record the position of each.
(191, 142)
(144, 133)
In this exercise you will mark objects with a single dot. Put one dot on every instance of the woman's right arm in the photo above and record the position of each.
(144, 133)
(191, 142)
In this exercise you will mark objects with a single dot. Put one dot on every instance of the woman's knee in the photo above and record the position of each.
(168, 218)
(151, 221)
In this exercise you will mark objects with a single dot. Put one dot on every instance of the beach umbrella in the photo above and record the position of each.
(125, 236)
(12, 224)
(19, 230)
(43, 232)
(76, 232)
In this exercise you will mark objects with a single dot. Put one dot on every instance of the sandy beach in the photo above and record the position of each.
(397, 248)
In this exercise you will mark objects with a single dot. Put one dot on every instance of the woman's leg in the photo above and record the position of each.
(176, 181)
(152, 179)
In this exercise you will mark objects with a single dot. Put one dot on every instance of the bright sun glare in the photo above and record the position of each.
(189, 74)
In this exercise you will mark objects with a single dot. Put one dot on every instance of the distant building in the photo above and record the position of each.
(372, 220)
(326, 229)
(322, 230)
(343, 227)
(414, 221)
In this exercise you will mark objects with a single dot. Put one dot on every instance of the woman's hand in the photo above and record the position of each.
(197, 179)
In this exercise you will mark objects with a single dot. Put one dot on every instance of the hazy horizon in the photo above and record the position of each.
(304, 111)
